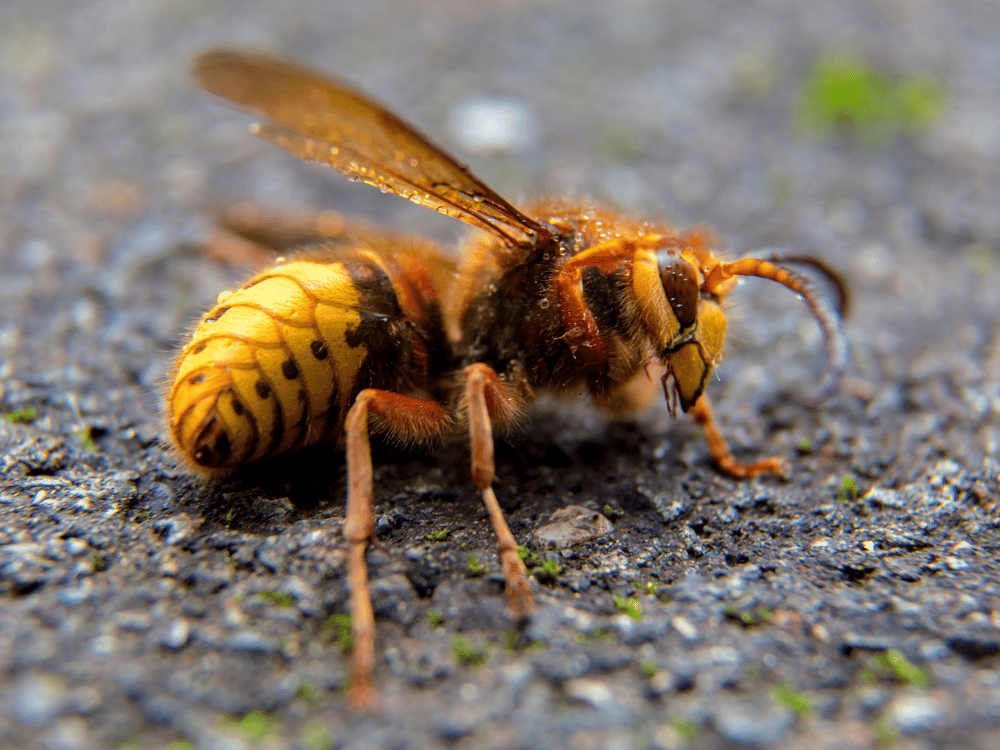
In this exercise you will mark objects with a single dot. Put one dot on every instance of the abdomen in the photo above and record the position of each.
(277, 363)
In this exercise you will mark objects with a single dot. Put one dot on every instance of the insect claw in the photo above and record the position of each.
(828, 387)
(520, 598)
(362, 697)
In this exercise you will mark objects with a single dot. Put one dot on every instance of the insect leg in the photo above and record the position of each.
(407, 417)
(486, 395)
(576, 314)
(249, 235)
(722, 457)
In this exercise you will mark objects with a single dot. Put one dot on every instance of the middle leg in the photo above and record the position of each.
(487, 396)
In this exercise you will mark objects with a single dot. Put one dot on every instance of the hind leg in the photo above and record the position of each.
(413, 418)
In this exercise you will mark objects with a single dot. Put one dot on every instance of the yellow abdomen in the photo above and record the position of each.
(273, 366)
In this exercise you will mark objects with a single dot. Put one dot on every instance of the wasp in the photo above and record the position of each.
(384, 333)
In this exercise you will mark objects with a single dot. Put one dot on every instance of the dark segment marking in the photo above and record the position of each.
(289, 369)
(601, 299)
(278, 430)
(199, 378)
(319, 349)
(302, 395)
(213, 445)
(381, 329)
(389, 351)
(333, 410)
(199, 349)
(262, 388)
(375, 291)
(498, 322)
(302, 426)
(238, 407)
(222, 447)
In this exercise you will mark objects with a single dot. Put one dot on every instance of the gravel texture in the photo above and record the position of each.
(141, 608)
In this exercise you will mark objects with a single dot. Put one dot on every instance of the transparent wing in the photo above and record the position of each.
(322, 120)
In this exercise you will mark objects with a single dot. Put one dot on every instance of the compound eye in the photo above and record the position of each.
(680, 283)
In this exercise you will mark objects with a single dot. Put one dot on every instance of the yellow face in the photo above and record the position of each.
(681, 314)
(692, 363)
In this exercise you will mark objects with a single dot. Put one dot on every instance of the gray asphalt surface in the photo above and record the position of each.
(141, 608)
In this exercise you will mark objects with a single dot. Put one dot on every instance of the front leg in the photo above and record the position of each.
(722, 457)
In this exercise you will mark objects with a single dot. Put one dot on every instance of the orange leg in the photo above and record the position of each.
(249, 235)
(486, 395)
(722, 457)
(576, 314)
(281, 230)
(405, 416)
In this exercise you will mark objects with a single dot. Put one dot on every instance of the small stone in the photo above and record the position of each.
(393, 597)
(177, 529)
(104, 645)
(905, 541)
(76, 546)
(206, 581)
(76, 595)
(662, 682)
(872, 698)
(571, 525)
(885, 498)
(69, 733)
(177, 634)
(135, 622)
(163, 710)
(516, 675)
(685, 627)
(593, 693)
(609, 659)
(270, 558)
(863, 642)
(451, 728)
(668, 738)
(752, 725)
(915, 712)
(933, 650)
(975, 646)
(37, 700)
(299, 589)
(85, 700)
(560, 666)
(252, 642)
(634, 633)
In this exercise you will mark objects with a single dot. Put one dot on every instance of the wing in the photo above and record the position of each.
(250, 237)
(322, 120)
